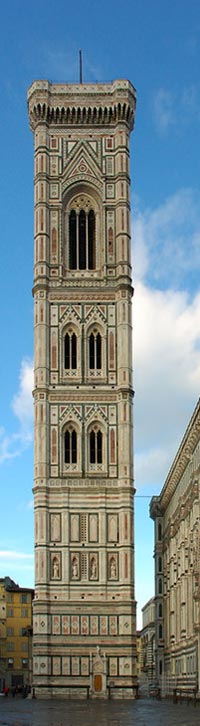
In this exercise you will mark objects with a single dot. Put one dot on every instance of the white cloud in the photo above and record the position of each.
(30, 504)
(13, 555)
(151, 465)
(163, 109)
(167, 241)
(22, 402)
(12, 445)
(166, 338)
(175, 109)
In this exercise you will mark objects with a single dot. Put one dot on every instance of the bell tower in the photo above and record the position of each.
(84, 608)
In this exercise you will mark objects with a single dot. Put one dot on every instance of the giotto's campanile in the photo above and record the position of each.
(84, 608)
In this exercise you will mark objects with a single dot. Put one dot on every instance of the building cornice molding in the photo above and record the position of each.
(182, 510)
(80, 104)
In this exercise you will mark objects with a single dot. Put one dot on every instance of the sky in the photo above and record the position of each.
(156, 45)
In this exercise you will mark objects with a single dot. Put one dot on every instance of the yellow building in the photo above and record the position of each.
(15, 634)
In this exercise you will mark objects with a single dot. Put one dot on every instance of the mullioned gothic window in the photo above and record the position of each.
(160, 564)
(82, 240)
(70, 447)
(70, 351)
(95, 351)
(96, 447)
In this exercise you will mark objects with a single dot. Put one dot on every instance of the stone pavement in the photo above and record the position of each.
(144, 712)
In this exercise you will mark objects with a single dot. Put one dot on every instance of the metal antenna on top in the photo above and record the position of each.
(80, 66)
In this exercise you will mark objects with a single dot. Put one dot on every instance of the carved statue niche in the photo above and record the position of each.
(112, 568)
(55, 568)
(75, 568)
(93, 568)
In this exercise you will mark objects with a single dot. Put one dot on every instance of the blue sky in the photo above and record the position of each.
(156, 44)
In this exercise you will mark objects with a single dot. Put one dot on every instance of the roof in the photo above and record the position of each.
(11, 586)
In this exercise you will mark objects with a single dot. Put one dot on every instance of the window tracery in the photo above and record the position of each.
(96, 452)
(70, 351)
(82, 235)
(71, 448)
(95, 351)
(96, 448)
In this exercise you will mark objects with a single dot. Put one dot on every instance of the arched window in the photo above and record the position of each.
(96, 448)
(95, 351)
(91, 240)
(70, 453)
(160, 564)
(110, 241)
(160, 632)
(160, 586)
(159, 531)
(72, 240)
(82, 240)
(70, 351)
(160, 610)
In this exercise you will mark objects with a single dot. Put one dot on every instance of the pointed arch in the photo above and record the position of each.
(95, 350)
(72, 240)
(70, 350)
(96, 451)
(83, 222)
(96, 446)
(70, 446)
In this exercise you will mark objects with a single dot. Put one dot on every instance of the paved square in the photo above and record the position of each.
(144, 712)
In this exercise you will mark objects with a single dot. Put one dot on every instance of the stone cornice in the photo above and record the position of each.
(182, 510)
(66, 288)
(154, 508)
(98, 485)
(80, 104)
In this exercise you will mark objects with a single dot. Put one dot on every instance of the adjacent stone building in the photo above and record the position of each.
(147, 635)
(84, 607)
(176, 513)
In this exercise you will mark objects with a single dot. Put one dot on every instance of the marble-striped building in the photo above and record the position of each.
(84, 608)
